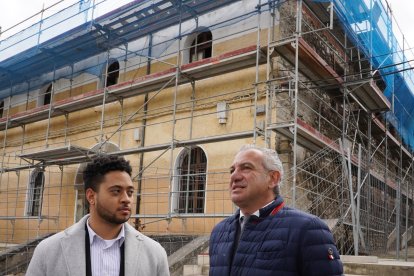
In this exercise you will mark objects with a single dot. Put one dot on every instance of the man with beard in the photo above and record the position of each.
(264, 237)
(102, 243)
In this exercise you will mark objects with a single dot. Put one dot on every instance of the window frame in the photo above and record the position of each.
(191, 172)
(201, 46)
(35, 196)
(112, 77)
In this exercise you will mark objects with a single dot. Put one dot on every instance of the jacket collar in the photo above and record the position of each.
(265, 211)
(73, 247)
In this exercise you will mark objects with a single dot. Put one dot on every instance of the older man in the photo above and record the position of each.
(264, 237)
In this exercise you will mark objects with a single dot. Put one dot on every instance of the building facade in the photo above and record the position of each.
(177, 87)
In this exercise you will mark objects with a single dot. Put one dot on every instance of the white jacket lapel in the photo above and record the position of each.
(133, 242)
(73, 248)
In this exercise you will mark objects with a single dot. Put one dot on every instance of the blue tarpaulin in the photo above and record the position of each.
(369, 24)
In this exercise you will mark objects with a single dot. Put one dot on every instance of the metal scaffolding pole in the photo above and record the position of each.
(52, 92)
(121, 121)
(256, 88)
(358, 207)
(398, 207)
(18, 177)
(187, 191)
(105, 93)
(60, 197)
(407, 196)
(142, 142)
(269, 75)
(386, 228)
(369, 184)
(172, 146)
(296, 95)
(5, 136)
(66, 127)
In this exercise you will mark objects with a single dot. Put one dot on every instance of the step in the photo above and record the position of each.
(195, 270)
(381, 268)
(203, 259)
(359, 259)
(353, 266)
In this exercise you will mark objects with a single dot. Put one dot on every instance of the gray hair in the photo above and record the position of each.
(271, 162)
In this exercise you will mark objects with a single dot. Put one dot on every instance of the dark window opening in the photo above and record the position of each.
(112, 74)
(48, 95)
(36, 191)
(192, 181)
(1, 109)
(201, 47)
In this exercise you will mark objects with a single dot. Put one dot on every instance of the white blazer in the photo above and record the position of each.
(64, 254)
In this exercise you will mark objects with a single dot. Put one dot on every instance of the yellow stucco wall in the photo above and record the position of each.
(82, 128)
(75, 91)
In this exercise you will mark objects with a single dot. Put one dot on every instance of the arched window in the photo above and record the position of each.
(35, 193)
(191, 184)
(201, 47)
(112, 74)
(46, 96)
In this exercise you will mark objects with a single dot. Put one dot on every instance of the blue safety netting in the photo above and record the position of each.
(60, 42)
(369, 24)
(80, 31)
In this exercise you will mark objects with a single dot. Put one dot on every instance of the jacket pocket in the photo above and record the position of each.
(271, 249)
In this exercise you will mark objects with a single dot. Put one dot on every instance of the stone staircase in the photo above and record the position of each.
(353, 266)
(372, 265)
(199, 269)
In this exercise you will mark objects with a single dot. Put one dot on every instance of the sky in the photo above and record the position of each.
(15, 11)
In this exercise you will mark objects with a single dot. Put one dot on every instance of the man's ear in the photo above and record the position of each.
(275, 179)
(90, 196)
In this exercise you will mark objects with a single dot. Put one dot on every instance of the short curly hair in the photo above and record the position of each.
(95, 171)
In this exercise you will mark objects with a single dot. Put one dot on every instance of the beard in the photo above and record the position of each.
(109, 216)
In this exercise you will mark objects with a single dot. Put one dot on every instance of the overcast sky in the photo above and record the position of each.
(14, 11)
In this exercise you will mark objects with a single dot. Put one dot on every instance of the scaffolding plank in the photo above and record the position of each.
(312, 139)
(206, 68)
(307, 136)
(89, 99)
(227, 62)
(30, 116)
(58, 155)
(394, 142)
(28, 217)
(74, 154)
(186, 143)
(144, 84)
(313, 66)
(370, 95)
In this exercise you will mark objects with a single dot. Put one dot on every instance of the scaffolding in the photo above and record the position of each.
(347, 76)
(178, 86)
